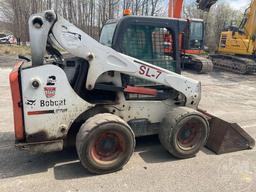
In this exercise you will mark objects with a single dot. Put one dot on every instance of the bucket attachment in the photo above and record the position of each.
(226, 137)
(205, 5)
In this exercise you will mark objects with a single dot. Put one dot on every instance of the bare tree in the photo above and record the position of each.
(215, 21)
(89, 15)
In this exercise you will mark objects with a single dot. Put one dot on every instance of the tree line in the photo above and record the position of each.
(90, 15)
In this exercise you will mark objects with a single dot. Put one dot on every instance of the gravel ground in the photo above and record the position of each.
(7, 60)
(151, 168)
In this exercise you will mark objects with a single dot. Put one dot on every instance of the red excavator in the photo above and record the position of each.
(193, 38)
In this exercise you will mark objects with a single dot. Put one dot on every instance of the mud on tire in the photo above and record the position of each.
(183, 132)
(105, 143)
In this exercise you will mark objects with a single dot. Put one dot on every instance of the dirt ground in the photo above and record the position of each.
(151, 168)
(7, 60)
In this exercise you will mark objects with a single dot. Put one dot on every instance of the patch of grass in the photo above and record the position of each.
(14, 49)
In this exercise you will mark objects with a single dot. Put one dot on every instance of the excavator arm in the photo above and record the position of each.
(175, 6)
(249, 20)
(205, 5)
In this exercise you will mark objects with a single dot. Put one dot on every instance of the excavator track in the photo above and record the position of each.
(234, 64)
(198, 63)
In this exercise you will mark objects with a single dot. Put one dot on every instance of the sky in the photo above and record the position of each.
(236, 4)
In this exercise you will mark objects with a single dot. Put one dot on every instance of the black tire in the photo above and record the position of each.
(105, 143)
(183, 132)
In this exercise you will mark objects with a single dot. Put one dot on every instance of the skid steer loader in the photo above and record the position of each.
(89, 99)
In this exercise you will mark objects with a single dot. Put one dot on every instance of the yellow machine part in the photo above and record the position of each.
(235, 44)
(242, 43)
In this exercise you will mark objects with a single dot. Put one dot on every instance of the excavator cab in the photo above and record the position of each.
(193, 47)
(193, 39)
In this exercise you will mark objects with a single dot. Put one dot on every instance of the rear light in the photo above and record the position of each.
(16, 101)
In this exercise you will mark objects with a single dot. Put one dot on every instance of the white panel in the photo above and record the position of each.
(64, 104)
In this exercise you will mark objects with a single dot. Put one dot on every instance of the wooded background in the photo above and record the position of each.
(90, 15)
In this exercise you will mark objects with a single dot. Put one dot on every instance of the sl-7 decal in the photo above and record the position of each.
(149, 71)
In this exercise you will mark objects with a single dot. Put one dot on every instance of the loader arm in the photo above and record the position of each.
(48, 27)
(48, 30)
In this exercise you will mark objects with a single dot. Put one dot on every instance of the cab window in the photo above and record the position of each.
(196, 35)
(150, 44)
(107, 34)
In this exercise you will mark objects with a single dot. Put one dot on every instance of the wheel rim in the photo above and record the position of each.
(107, 147)
(190, 134)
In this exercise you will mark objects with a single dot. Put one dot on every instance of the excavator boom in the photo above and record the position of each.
(175, 6)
